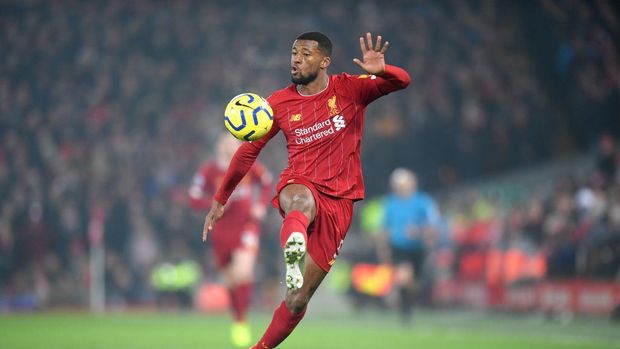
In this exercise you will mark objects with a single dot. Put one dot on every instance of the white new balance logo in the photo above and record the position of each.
(338, 122)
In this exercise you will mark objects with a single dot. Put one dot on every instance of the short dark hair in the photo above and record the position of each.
(325, 45)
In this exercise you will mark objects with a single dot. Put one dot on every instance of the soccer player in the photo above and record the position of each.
(236, 235)
(409, 222)
(322, 118)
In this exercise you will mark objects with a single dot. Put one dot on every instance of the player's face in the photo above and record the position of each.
(404, 184)
(306, 61)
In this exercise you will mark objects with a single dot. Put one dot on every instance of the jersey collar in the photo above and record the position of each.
(329, 80)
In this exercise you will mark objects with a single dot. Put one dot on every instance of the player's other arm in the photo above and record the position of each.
(239, 166)
(393, 79)
(384, 78)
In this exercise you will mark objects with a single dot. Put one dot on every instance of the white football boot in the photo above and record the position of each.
(294, 252)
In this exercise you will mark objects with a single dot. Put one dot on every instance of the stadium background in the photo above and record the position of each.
(107, 107)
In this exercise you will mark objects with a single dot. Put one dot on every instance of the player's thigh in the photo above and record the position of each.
(298, 197)
(238, 254)
(242, 264)
(240, 270)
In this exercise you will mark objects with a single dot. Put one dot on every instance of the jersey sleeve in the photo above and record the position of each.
(241, 163)
(370, 87)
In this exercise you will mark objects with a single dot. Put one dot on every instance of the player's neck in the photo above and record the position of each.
(317, 86)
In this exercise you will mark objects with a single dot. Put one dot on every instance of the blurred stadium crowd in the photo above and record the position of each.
(565, 227)
(107, 108)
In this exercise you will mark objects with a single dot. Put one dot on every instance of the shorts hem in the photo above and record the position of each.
(325, 266)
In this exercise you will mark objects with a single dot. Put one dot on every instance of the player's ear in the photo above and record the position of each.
(325, 62)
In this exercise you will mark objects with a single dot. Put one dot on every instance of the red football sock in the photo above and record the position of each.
(295, 221)
(282, 324)
(234, 303)
(240, 298)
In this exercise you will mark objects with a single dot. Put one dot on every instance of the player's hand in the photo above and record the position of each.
(373, 61)
(216, 212)
(259, 212)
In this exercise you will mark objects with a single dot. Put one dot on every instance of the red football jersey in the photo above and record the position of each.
(209, 178)
(323, 133)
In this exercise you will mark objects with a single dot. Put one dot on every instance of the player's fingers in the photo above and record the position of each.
(358, 62)
(378, 44)
(363, 45)
(369, 40)
(385, 47)
(208, 226)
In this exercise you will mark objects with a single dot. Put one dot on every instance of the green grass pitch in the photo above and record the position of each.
(362, 331)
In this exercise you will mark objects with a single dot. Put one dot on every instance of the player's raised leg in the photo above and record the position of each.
(299, 207)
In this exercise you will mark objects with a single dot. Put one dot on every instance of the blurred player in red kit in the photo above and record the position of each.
(322, 118)
(236, 235)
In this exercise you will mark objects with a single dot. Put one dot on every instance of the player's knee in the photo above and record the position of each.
(298, 198)
(303, 204)
(297, 302)
(242, 277)
(242, 274)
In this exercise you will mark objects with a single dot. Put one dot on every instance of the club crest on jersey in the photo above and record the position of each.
(333, 107)
(295, 117)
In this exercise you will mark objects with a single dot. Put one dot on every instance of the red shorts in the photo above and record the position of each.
(331, 222)
(229, 235)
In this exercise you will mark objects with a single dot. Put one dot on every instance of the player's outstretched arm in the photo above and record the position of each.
(386, 78)
(373, 56)
(239, 166)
